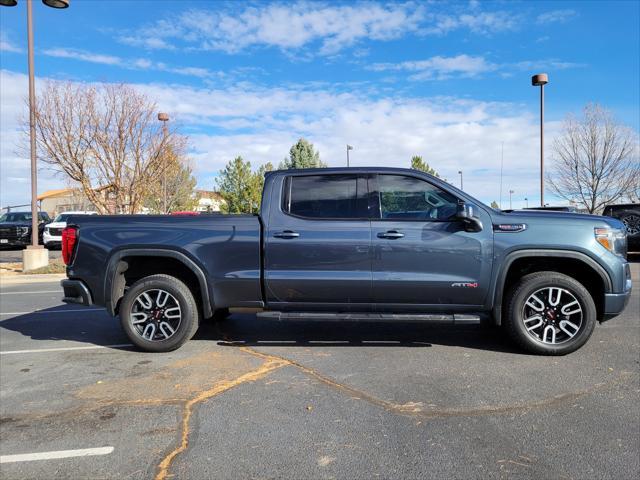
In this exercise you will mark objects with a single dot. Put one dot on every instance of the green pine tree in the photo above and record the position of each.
(418, 164)
(302, 155)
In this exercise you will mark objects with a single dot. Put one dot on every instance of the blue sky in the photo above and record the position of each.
(448, 81)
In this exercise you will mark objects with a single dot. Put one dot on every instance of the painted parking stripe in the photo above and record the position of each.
(65, 349)
(30, 457)
(40, 312)
(33, 292)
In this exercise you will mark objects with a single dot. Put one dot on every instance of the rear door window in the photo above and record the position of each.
(326, 196)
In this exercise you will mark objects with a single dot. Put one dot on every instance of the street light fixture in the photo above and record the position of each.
(461, 184)
(35, 255)
(511, 192)
(540, 80)
(164, 118)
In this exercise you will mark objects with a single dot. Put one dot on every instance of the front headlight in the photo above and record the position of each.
(612, 239)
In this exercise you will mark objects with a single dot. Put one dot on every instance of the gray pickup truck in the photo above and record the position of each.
(354, 243)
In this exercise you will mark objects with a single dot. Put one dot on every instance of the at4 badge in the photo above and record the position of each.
(465, 284)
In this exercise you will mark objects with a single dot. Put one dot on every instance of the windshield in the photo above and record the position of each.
(62, 217)
(16, 217)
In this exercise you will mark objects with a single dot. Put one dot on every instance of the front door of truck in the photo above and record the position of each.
(317, 243)
(422, 254)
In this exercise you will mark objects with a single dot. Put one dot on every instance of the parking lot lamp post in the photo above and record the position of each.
(30, 258)
(164, 118)
(349, 147)
(527, 201)
(511, 192)
(540, 80)
(461, 184)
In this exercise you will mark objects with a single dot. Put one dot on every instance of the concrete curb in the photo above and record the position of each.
(43, 277)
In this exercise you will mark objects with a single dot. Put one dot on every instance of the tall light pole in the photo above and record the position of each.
(35, 256)
(501, 169)
(540, 80)
(164, 118)
(527, 201)
(461, 184)
(349, 147)
(511, 192)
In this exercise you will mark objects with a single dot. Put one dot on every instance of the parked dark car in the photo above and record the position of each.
(354, 243)
(15, 228)
(629, 214)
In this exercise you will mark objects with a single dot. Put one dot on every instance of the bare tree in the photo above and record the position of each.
(105, 138)
(596, 160)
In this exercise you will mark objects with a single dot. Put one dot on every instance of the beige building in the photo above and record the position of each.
(63, 200)
(208, 201)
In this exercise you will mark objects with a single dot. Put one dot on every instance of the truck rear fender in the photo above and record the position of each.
(177, 263)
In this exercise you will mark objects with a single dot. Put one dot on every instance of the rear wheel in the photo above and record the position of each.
(159, 313)
(550, 313)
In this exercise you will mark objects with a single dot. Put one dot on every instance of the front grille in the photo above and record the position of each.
(56, 232)
(10, 233)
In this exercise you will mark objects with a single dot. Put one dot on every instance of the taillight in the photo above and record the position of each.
(69, 236)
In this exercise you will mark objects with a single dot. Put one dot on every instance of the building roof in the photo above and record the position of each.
(59, 192)
(213, 195)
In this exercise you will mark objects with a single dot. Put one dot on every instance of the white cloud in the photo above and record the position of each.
(440, 68)
(83, 56)
(482, 23)
(555, 16)
(285, 26)
(466, 66)
(261, 124)
(323, 27)
(7, 45)
(138, 64)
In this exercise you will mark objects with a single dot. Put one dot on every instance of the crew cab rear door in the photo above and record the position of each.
(317, 243)
(422, 255)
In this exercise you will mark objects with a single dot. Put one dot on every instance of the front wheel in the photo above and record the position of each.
(159, 314)
(550, 313)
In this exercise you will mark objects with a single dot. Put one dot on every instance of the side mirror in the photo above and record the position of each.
(465, 215)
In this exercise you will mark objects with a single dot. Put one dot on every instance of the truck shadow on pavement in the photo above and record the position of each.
(98, 328)
(73, 325)
(248, 330)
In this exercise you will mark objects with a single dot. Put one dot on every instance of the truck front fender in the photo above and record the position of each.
(544, 254)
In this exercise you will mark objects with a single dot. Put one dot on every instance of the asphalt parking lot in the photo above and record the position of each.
(251, 398)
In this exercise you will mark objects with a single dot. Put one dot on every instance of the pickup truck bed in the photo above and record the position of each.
(224, 249)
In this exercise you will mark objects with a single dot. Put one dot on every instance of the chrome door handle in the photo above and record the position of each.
(286, 234)
(391, 235)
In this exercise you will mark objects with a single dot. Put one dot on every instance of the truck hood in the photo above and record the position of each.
(15, 224)
(57, 224)
(558, 218)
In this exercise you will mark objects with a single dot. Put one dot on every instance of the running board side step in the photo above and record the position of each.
(456, 319)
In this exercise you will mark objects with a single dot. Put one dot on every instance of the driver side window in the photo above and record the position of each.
(409, 198)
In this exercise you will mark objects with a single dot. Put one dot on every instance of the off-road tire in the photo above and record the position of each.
(189, 320)
(527, 286)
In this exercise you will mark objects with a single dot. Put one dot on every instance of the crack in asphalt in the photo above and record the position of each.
(412, 409)
(267, 367)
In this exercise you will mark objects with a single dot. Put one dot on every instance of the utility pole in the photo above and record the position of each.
(540, 80)
(35, 255)
(501, 169)
(164, 118)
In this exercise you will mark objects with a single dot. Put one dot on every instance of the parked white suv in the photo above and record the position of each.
(52, 236)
